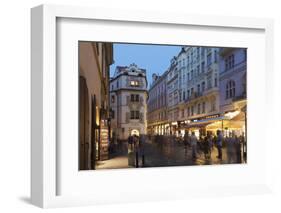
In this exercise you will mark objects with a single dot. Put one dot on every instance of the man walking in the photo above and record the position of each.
(193, 143)
(219, 144)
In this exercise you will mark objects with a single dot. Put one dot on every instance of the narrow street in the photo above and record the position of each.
(160, 155)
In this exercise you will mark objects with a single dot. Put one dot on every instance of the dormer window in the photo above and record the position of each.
(134, 83)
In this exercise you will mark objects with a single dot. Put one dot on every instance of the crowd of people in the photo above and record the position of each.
(206, 144)
(233, 144)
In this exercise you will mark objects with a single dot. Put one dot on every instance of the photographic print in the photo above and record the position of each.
(155, 105)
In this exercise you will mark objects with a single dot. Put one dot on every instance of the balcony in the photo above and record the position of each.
(193, 96)
(236, 68)
(211, 90)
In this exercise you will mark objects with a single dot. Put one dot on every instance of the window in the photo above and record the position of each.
(134, 83)
(202, 51)
(216, 80)
(188, 93)
(198, 52)
(179, 95)
(203, 86)
(216, 57)
(188, 111)
(198, 88)
(203, 66)
(117, 84)
(188, 76)
(229, 62)
(209, 82)
(230, 89)
(135, 115)
(112, 99)
(198, 70)
(192, 110)
(213, 106)
(135, 97)
(198, 108)
(209, 59)
(203, 107)
(191, 74)
(183, 95)
(112, 87)
(112, 114)
(192, 90)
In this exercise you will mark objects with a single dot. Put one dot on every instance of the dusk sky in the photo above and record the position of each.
(153, 58)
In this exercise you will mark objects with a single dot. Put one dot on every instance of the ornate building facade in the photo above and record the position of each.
(157, 118)
(128, 95)
(192, 91)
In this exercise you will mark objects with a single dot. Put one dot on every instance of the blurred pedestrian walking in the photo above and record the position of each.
(193, 143)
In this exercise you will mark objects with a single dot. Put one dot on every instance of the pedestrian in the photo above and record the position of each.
(142, 140)
(230, 147)
(238, 149)
(185, 142)
(193, 143)
(219, 144)
(206, 147)
(210, 144)
(130, 142)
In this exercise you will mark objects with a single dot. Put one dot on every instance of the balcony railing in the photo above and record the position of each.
(236, 67)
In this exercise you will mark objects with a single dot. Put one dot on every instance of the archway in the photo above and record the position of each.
(135, 132)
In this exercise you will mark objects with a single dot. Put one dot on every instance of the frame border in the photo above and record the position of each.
(43, 86)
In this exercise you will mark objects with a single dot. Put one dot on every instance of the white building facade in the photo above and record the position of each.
(128, 95)
(233, 87)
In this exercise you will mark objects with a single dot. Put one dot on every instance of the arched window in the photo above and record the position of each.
(230, 89)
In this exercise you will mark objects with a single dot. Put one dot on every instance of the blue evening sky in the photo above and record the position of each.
(153, 58)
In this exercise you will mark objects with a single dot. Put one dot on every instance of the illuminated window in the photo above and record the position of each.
(134, 83)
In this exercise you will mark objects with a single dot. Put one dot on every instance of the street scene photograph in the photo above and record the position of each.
(156, 105)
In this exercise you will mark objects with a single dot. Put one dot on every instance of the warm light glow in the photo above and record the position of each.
(174, 123)
(231, 115)
(97, 116)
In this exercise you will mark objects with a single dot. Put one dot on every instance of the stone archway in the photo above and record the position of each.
(135, 132)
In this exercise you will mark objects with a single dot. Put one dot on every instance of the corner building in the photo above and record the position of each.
(128, 95)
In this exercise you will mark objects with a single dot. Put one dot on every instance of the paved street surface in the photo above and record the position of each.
(159, 155)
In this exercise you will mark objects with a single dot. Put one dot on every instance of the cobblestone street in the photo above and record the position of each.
(160, 155)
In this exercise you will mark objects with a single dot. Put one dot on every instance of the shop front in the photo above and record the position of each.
(228, 122)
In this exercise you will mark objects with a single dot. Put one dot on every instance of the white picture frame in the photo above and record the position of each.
(44, 149)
